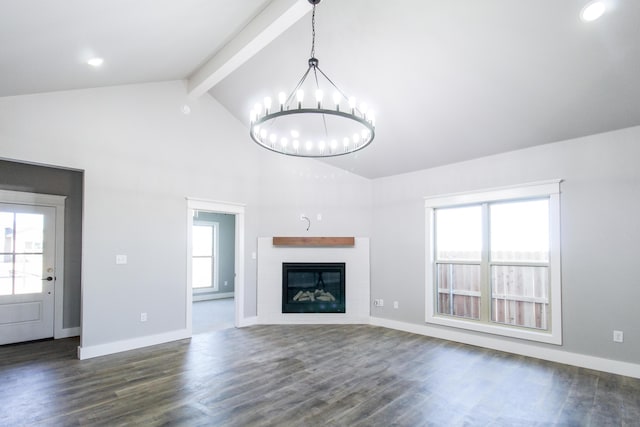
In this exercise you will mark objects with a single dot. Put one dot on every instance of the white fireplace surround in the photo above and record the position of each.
(357, 284)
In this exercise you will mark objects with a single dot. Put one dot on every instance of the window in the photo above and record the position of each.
(204, 270)
(494, 263)
(21, 253)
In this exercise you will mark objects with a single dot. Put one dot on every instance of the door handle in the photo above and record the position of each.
(48, 278)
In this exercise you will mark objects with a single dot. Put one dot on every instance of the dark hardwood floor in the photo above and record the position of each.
(351, 375)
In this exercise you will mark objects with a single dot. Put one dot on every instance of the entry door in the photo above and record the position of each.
(27, 275)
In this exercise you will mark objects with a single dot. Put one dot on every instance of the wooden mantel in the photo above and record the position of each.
(314, 241)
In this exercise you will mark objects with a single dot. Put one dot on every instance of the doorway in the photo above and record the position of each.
(31, 265)
(215, 265)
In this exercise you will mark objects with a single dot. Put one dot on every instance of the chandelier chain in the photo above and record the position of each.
(313, 32)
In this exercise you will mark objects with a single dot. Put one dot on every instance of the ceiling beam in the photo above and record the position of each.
(275, 19)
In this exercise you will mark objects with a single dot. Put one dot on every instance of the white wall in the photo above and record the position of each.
(600, 202)
(142, 156)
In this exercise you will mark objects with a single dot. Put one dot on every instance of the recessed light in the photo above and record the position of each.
(95, 62)
(592, 11)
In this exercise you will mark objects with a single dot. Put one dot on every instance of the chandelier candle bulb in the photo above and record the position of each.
(258, 109)
(363, 109)
(267, 105)
(352, 104)
(282, 98)
(319, 96)
(336, 100)
(309, 145)
(300, 97)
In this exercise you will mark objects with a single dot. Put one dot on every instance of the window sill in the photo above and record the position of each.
(496, 329)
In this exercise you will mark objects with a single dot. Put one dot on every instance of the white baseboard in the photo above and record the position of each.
(312, 319)
(88, 352)
(67, 333)
(206, 297)
(544, 353)
(248, 321)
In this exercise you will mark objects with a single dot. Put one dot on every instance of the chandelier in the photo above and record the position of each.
(297, 126)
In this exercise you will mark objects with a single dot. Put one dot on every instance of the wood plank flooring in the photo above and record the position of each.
(307, 375)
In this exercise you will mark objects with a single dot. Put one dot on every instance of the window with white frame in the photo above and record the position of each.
(204, 267)
(494, 261)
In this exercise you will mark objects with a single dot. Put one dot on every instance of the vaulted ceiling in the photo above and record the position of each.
(449, 80)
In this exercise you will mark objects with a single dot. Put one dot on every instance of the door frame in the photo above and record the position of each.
(56, 202)
(237, 210)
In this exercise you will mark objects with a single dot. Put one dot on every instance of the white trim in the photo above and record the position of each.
(525, 349)
(551, 189)
(248, 321)
(131, 344)
(69, 332)
(272, 21)
(58, 203)
(236, 209)
(531, 189)
(313, 319)
(203, 296)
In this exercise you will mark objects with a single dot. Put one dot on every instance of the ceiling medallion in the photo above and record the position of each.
(316, 128)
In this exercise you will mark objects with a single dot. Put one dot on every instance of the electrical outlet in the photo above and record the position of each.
(143, 317)
(378, 303)
(618, 336)
(226, 283)
(121, 259)
(395, 304)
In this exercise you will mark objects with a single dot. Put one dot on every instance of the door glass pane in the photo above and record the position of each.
(6, 274)
(520, 295)
(459, 233)
(6, 232)
(459, 290)
(520, 231)
(29, 233)
(201, 272)
(202, 240)
(28, 274)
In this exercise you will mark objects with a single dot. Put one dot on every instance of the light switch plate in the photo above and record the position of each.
(121, 259)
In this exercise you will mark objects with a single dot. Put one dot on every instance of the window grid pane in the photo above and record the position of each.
(459, 290)
(520, 295)
(29, 233)
(202, 238)
(519, 231)
(459, 233)
(28, 274)
(202, 272)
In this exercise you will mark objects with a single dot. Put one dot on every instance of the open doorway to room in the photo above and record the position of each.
(214, 280)
(212, 270)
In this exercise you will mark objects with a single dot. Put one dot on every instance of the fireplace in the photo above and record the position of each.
(313, 287)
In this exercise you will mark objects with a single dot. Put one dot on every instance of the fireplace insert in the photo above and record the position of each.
(313, 287)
